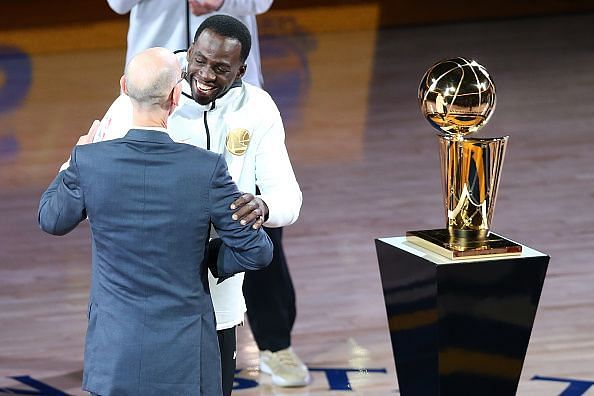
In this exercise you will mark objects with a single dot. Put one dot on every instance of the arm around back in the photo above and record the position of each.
(275, 176)
(62, 207)
(117, 120)
(243, 247)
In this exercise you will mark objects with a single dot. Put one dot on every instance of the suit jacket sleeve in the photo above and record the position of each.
(61, 207)
(243, 247)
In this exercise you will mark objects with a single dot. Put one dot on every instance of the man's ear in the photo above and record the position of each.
(241, 72)
(189, 53)
(175, 95)
(123, 86)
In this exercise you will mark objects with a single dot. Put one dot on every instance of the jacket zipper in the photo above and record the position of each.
(206, 126)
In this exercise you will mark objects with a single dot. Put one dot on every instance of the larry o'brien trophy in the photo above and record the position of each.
(457, 97)
(460, 320)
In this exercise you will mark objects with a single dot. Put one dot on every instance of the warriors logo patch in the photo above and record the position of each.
(238, 140)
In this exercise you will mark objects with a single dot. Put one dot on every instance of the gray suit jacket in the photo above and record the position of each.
(149, 202)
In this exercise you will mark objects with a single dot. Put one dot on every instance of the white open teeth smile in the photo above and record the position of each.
(203, 87)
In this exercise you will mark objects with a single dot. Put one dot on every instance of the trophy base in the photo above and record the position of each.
(441, 242)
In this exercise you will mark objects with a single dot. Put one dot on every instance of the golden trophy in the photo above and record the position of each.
(457, 97)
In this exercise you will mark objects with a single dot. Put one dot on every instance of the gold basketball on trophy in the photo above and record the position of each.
(457, 96)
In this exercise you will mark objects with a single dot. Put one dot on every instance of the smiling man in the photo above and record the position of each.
(214, 65)
(220, 112)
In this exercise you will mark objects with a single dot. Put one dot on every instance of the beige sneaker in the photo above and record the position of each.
(285, 367)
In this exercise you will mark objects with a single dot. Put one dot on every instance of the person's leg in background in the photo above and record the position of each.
(228, 348)
(271, 312)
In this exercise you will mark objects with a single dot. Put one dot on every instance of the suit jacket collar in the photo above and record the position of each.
(148, 135)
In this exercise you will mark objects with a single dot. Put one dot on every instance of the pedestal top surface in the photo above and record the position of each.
(401, 243)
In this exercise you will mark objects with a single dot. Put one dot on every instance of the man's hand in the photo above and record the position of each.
(250, 208)
(201, 7)
(88, 138)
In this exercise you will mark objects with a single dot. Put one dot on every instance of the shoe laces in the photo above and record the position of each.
(287, 358)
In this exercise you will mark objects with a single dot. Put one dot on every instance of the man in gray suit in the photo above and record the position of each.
(149, 202)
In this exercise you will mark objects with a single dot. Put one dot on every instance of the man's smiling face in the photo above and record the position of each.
(214, 64)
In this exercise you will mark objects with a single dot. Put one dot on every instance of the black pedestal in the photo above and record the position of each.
(459, 327)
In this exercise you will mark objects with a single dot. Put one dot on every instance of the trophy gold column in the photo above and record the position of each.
(457, 97)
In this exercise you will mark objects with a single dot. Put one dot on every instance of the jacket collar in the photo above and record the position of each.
(148, 135)
(229, 96)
